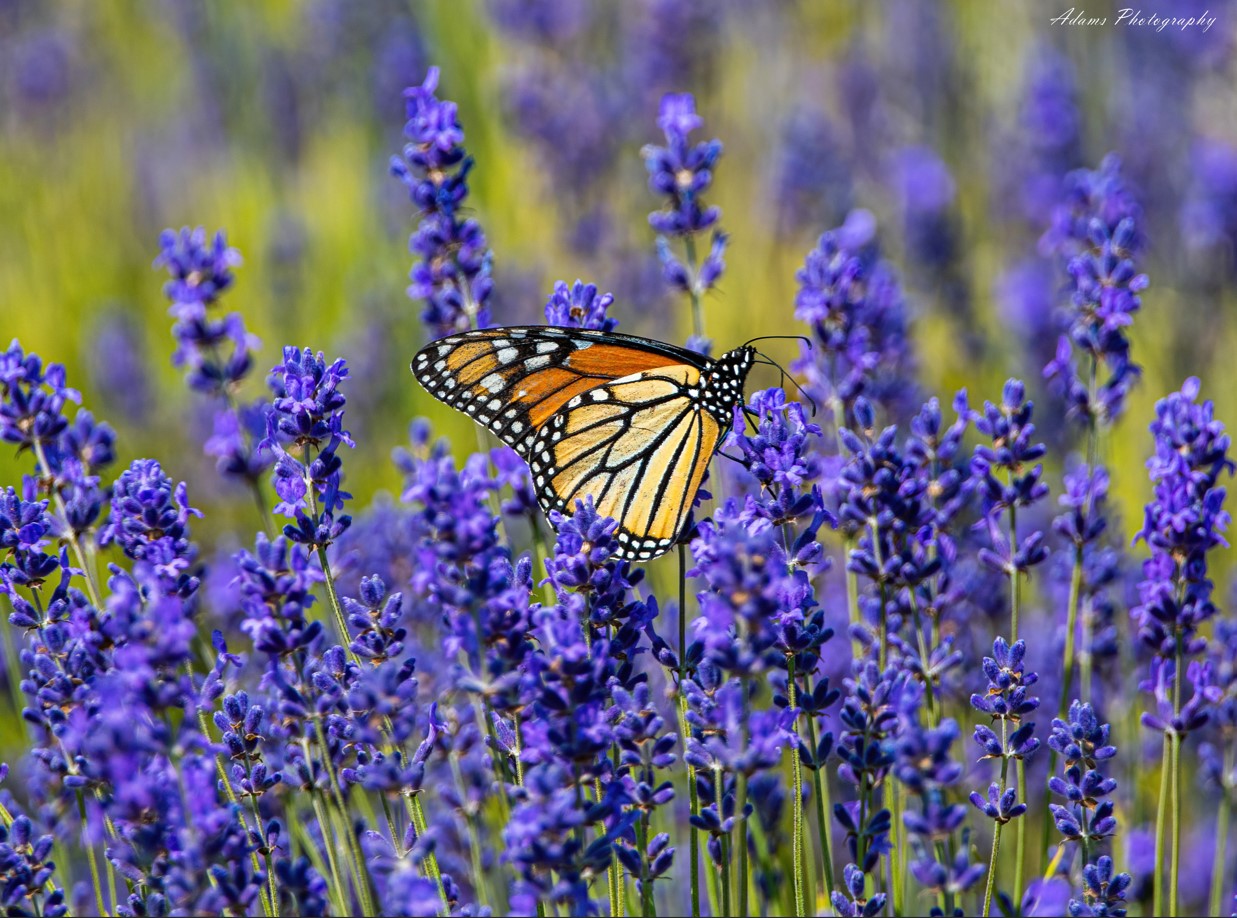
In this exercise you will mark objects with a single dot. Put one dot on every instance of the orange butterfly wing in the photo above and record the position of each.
(512, 380)
(629, 421)
(639, 446)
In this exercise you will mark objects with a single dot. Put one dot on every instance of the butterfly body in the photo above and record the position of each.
(630, 421)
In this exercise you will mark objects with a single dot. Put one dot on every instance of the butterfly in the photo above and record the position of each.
(631, 421)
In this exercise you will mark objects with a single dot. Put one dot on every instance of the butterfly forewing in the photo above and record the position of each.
(629, 421)
(512, 380)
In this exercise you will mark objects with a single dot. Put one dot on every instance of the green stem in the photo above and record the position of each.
(1071, 625)
(740, 835)
(1161, 813)
(396, 842)
(796, 770)
(1221, 855)
(1020, 833)
(996, 834)
(820, 784)
(896, 855)
(90, 855)
(724, 882)
(1013, 573)
(417, 814)
(689, 249)
(996, 850)
(1175, 792)
(337, 610)
(337, 884)
(929, 695)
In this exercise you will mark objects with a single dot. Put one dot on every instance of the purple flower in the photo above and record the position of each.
(1183, 523)
(217, 351)
(580, 306)
(201, 271)
(865, 746)
(811, 183)
(275, 584)
(307, 410)
(1006, 478)
(1007, 701)
(854, 904)
(1082, 741)
(32, 398)
(150, 522)
(853, 304)
(27, 868)
(1096, 234)
(1103, 894)
(681, 171)
(1000, 806)
(452, 274)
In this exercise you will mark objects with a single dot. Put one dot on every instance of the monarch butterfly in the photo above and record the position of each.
(631, 421)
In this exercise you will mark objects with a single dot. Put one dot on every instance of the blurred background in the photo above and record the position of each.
(953, 123)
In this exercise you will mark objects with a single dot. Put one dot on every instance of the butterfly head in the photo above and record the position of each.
(724, 381)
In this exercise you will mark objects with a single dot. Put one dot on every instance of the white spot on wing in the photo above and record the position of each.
(493, 383)
(536, 363)
(507, 354)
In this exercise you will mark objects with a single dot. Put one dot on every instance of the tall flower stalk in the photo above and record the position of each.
(681, 172)
(1096, 235)
(1006, 701)
(217, 353)
(1008, 481)
(1183, 524)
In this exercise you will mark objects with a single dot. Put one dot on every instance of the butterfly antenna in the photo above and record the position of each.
(806, 340)
(785, 376)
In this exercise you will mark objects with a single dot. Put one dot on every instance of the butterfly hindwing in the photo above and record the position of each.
(639, 446)
(512, 380)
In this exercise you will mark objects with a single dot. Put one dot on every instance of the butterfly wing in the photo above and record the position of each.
(639, 445)
(512, 380)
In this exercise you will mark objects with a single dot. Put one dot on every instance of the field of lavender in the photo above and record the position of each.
(950, 629)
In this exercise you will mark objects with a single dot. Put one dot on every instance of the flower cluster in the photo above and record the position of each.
(851, 300)
(1096, 233)
(925, 768)
(682, 172)
(1183, 523)
(580, 306)
(69, 456)
(438, 710)
(304, 430)
(452, 275)
(1006, 701)
(27, 868)
(1082, 742)
(216, 352)
(1009, 456)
